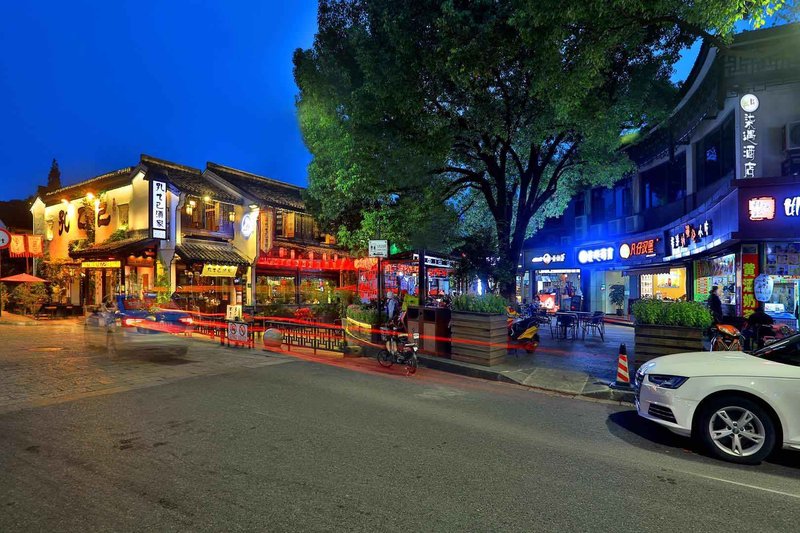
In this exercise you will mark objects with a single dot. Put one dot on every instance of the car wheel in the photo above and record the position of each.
(737, 429)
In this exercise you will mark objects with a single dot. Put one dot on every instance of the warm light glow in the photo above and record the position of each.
(90, 196)
(253, 206)
(206, 198)
(97, 203)
(189, 209)
(64, 201)
(232, 216)
(192, 203)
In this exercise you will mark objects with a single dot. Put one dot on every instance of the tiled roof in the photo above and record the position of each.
(103, 182)
(318, 249)
(221, 253)
(271, 192)
(133, 243)
(188, 179)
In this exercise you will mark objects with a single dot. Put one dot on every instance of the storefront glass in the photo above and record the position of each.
(204, 294)
(669, 286)
(719, 271)
(275, 289)
(315, 289)
(783, 266)
(556, 288)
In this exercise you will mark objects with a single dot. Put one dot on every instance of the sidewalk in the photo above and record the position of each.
(572, 367)
(13, 319)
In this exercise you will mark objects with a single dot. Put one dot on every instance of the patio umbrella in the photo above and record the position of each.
(24, 278)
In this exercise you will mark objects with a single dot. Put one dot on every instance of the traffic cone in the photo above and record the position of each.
(623, 381)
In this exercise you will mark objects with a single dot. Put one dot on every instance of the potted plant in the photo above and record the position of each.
(616, 296)
(663, 328)
(479, 329)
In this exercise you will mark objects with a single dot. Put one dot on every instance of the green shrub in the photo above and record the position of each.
(363, 313)
(661, 313)
(488, 303)
(28, 296)
(276, 310)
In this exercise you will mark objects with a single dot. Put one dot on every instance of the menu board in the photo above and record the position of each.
(783, 259)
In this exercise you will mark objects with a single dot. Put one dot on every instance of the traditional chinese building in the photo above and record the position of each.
(714, 200)
(200, 239)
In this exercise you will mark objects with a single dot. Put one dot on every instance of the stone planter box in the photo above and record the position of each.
(479, 338)
(655, 341)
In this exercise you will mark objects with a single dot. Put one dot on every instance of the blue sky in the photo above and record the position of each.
(94, 84)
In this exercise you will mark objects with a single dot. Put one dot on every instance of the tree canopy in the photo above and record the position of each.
(408, 108)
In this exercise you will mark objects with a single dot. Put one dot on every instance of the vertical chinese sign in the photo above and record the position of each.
(749, 104)
(749, 273)
(158, 209)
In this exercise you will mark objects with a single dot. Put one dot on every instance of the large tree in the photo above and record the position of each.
(406, 106)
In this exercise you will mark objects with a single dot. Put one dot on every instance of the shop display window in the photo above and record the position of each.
(669, 286)
(720, 271)
(317, 290)
(275, 289)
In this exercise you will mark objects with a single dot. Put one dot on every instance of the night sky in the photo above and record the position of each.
(94, 84)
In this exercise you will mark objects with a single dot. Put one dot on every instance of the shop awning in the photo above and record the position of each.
(123, 247)
(218, 253)
(663, 269)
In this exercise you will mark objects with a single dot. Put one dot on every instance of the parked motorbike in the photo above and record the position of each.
(726, 338)
(524, 333)
(399, 348)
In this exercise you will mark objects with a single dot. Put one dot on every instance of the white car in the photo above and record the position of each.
(741, 406)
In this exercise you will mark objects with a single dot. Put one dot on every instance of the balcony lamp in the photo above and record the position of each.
(253, 206)
(232, 216)
(206, 198)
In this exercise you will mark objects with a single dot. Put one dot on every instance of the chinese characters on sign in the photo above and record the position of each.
(749, 273)
(690, 234)
(597, 255)
(761, 208)
(791, 206)
(646, 247)
(219, 271)
(749, 104)
(158, 209)
(550, 258)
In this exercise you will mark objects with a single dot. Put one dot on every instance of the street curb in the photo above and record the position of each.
(447, 366)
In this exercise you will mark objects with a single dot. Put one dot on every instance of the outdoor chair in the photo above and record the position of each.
(597, 324)
(567, 325)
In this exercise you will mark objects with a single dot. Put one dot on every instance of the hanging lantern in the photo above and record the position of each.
(762, 287)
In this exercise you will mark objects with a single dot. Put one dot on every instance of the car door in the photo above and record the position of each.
(786, 385)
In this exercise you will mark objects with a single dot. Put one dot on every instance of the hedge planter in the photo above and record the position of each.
(479, 338)
(655, 341)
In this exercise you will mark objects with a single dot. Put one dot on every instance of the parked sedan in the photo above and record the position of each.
(740, 406)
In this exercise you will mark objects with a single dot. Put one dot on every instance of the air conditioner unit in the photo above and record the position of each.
(616, 226)
(791, 137)
(633, 223)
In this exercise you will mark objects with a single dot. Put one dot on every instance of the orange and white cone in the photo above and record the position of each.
(623, 380)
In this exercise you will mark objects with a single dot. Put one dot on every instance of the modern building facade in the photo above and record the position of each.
(715, 199)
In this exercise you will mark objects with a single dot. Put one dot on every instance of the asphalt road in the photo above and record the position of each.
(306, 446)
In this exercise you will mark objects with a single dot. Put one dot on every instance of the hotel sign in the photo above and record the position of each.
(749, 104)
(158, 209)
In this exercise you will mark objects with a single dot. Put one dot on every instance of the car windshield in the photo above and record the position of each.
(786, 351)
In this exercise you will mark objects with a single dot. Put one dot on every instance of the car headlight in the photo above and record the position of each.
(666, 381)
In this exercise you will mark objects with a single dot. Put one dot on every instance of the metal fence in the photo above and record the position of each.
(314, 336)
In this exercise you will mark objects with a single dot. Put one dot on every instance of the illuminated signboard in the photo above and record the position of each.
(791, 206)
(761, 208)
(646, 248)
(692, 233)
(749, 104)
(248, 224)
(219, 271)
(596, 255)
(101, 264)
(550, 258)
(158, 209)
